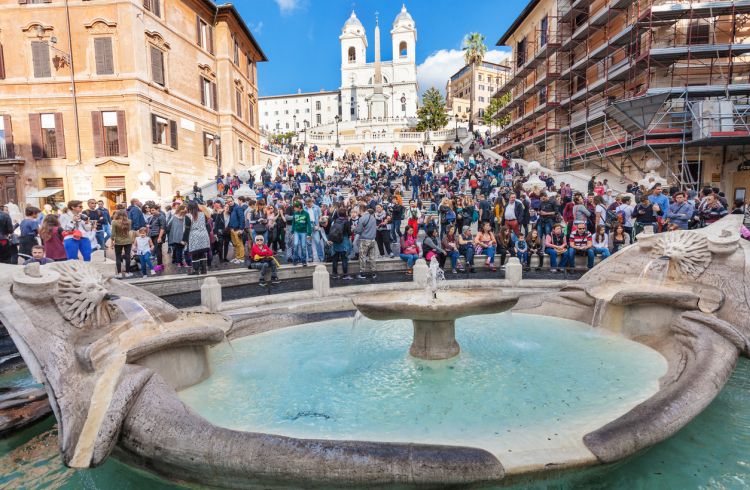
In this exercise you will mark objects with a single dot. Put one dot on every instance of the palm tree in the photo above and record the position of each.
(474, 51)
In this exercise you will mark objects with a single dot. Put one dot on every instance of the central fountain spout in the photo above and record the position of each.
(433, 317)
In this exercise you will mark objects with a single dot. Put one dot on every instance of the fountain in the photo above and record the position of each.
(434, 315)
(529, 396)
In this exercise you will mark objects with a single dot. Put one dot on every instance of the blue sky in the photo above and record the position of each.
(300, 37)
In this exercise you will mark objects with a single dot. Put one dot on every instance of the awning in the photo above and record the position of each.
(111, 189)
(44, 193)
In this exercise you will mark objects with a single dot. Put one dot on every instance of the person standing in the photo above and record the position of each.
(74, 231)
(135, 215)
(680, 211)
(29, 229)
(367, 230)
(122, 238)
(196, 238)
(157, 227)
(302, 229)
(97, 221)
(236, 227)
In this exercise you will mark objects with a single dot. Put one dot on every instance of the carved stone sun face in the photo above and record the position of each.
(81, 293)
(688, 251)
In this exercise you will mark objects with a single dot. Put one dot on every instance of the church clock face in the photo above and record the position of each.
(403, 100)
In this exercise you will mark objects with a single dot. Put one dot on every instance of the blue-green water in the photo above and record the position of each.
(713, 451)
(521, 383)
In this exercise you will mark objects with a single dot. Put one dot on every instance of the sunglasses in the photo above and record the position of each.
(259, 240)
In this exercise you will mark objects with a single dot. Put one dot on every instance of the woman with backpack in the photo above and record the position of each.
(339, 238)
(196, 237)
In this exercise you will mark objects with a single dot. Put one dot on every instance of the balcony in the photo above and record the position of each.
(111, 148)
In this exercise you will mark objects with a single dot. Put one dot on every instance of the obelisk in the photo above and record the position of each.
(377, 101)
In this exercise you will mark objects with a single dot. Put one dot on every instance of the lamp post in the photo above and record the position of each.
(217, 141)
(456, 140)
(307, 123)
(337, 119)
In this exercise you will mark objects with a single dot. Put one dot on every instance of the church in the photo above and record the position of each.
(369, 90)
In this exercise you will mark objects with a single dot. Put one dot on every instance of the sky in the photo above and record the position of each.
(300, 37)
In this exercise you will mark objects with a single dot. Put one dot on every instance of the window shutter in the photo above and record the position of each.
(2, 64)
(198, 38)
(156, 4)
(103, 54)
(154, 130)
(173, 134)
(205, 145)
(22, 2)
(96, 124)
(211, 39)
(122, 134)
(214, 96)
(59, 135)
(35, 123)
(203, 93)
(40, 57)
(157, 65)
(9, 137)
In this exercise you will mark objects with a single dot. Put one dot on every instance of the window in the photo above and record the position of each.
(249, 68)
(481, 99)
(296, 111)
(153, 6)
(208, 93)
(236, 51)
(352, 55)
(479, 77)
(579, 83)
(209, 145)
(317, 105)
(543, 26)
(238, 103)
(579, 137)
(521, 53)
(157, 66)
(403, 107)
(241, 150)
(47, 135)
(317, 118)
(307, 110)
(286, 112)
(287, 125)
(204, 35)
(110, 136)
(481, 87)
(103, 55)
(698, 33)
(163, 131)
(40, 58)
(543, 95)
(6, 138)
(402, 51)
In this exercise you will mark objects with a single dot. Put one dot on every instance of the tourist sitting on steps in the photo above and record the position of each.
(556, 246)
(262, 259)
(466, 247)
(409, 249)
(485, 243)
(581, 243)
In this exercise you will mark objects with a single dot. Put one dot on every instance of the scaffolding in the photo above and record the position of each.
(684, 60)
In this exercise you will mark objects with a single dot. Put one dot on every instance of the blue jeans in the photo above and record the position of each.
(299, 247)
(523, 257)
(100, 239)
(409, 259)
(317, 242)
(396, 230)
(454, 255)
(146, 264)
(73, 247)
(572, 257)
(553, 258)
(544, 228)
(468, 252)
(490, 253)
(604, 252)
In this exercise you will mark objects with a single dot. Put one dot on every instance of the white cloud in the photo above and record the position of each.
(257, 28)
(287, 6)
(437, 68)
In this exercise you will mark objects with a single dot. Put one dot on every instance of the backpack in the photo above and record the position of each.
(336, 233)
(612, 219)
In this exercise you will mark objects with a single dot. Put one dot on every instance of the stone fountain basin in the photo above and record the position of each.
(448, 306)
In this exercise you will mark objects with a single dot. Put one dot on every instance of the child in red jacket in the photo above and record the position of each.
(261, 258)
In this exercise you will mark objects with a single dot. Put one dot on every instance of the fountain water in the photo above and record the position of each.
(655, 272)
(437, 277)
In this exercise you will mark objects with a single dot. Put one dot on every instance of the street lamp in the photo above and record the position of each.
(456, 140)
(307, 123)
(217, 141)
(337, 119)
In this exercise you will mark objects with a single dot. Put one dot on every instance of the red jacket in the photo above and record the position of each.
(263, 251)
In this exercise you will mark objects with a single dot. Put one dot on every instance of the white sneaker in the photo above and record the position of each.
(129, 275)
(153, 272)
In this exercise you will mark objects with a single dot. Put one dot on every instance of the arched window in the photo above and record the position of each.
(402, 51)
(352, 55)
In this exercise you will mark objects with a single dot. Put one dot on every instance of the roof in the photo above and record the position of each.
(485, 64)
(525, 13)
(403, 16)
(230, 9)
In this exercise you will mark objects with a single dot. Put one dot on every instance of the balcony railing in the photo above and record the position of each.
(49, 149)
(111, 148)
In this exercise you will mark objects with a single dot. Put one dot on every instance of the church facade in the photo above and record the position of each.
(397, 94)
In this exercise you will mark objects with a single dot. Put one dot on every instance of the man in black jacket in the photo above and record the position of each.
(6, 230)
(513, 216)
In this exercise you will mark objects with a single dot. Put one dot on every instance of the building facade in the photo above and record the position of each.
(399, 83)
(96, 93)
(285, 113)
(487, 77)
(615, 84)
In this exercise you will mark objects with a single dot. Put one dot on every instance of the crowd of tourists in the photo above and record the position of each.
(454, 207)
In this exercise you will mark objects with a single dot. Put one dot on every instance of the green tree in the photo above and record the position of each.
(432, 114)
(474, 51)
(496, 103)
